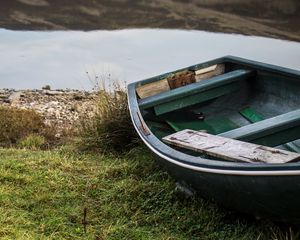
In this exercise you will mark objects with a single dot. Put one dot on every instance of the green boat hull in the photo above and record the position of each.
(263, 190)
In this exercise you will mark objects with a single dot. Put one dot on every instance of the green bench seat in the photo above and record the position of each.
(270, 132)
(195, 93)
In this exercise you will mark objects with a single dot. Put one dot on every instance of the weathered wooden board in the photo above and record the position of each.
(153, 88)
(181, 79)
(209, 72)
(229, 149)
(205, 70)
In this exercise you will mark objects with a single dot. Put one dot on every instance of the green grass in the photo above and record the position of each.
(44, 194)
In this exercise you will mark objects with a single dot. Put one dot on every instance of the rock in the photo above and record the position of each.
(77, 97)
(52, 92)
(15, 96)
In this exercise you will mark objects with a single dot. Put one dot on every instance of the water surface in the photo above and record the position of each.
(32, 59)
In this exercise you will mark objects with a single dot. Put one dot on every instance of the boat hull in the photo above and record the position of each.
(264, 190)
(272, 197)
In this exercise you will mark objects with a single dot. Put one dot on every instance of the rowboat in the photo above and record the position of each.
(227, 129)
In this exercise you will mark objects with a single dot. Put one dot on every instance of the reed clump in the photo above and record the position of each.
(108, 128)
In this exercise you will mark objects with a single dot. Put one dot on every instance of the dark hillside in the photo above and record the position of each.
(278, 19)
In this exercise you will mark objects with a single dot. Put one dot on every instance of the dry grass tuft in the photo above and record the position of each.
(108, 129)
(17, 124)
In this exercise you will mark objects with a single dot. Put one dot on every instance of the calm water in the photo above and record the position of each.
(61, 59)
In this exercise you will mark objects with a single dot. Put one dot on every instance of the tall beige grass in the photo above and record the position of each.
(108, 128)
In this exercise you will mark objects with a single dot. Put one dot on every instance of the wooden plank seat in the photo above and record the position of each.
(270, 132)
(229, 149)
(195, 93)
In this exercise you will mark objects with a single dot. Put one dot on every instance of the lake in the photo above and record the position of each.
(73, 59)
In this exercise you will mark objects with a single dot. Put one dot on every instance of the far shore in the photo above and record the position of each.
(275, 19)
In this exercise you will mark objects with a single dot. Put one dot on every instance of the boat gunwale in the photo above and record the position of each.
(226, 59)
(202, 164)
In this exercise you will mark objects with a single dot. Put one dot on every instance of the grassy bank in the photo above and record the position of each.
(61, 195)
(97, 182)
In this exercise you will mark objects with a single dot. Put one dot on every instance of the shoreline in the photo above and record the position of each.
(59, 107)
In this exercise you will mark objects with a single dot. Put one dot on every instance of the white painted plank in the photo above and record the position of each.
(229, 149)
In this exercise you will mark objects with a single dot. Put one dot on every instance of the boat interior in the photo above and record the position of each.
(228, 99)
